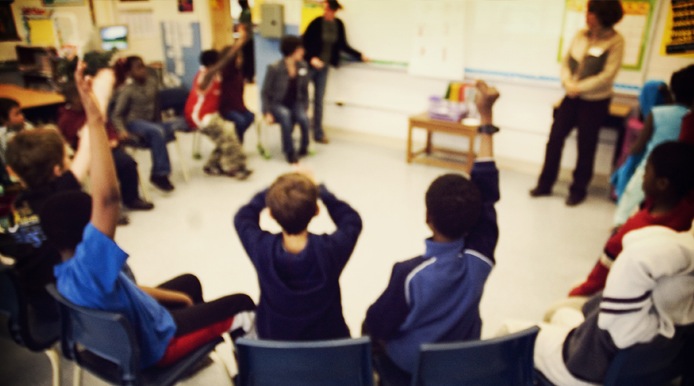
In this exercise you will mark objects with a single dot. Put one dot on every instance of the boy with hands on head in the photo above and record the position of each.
(298, 271)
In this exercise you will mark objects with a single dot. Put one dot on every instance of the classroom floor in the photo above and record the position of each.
(544, 245)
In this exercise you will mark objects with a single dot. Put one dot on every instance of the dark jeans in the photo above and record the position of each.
(155, 136)
(287, 118)
(242, 120)
(201, 314)
(587, 117)
(126, 170)
(320, 81)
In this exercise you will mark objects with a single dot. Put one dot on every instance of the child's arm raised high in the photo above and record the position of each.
(105, 192)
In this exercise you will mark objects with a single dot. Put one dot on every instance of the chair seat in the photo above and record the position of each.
(154, 375)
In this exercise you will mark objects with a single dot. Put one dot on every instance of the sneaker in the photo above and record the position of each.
(162, 183)
(540, 192)
(243, 174)
(212, 171)
(323, 140)
(139, 204)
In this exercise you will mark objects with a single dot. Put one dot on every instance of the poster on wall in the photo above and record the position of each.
(185, 5)
(635, 27)
(678, 38)
(8, 29)
(437, 47)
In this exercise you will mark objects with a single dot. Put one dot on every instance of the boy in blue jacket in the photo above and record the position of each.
(435, 297)
(298, 272)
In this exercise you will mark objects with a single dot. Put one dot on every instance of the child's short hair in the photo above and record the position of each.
(289, 44)
(6, 104)
(63, 218)
(675, 162)
(33, 155)
(453, 205)
(293, 201)
(682, 85)
(209, 57)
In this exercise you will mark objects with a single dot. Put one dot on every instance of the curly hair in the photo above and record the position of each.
(453, 205)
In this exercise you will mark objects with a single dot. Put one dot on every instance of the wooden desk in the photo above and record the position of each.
(38, 106)
(29, 98)
(426, 155)
(621, 107)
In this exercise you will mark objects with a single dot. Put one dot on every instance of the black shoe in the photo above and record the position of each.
(303, 153)
(123, 219)
(540, 192)
(575, 199)
(139, 204)
(162, 182)
(292, 158)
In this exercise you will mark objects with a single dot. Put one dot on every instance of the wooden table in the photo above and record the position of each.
(457, 159)
(37, 105)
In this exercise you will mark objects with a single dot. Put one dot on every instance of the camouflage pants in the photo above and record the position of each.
(228, 154)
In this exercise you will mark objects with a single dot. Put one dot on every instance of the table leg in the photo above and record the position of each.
(409, 144)
(429, 132)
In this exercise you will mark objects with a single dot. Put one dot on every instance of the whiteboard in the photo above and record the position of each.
(517, 39)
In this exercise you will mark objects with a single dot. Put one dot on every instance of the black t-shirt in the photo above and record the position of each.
(25, 242)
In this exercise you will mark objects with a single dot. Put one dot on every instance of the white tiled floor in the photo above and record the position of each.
(544, 246)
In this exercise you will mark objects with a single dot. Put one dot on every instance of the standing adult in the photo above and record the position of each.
(587, 74)
(324, 39)
(248, 63)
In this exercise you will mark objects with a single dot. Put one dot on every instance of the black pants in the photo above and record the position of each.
(126, 170)
(587, 117)
(201, 314)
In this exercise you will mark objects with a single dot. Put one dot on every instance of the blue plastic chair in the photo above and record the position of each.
(342, 362)
(105, 344)
(25, 328)
(507, 360)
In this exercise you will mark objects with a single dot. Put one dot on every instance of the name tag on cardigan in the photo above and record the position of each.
(595, 51)
(303, 72)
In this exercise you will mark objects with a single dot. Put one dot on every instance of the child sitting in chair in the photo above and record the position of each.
(170, 320)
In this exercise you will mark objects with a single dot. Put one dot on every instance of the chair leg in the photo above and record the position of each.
(261, 149)
(144, 191)
(76, 374)
(184, 166)
(197, 154)
(54, 357)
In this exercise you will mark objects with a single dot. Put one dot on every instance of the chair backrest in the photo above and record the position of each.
(334, 362)
(655, 363)
(87, 333)
(25, 327)
(507, 360)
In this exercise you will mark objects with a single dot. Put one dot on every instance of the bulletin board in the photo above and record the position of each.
(678, 38)
(182, 49)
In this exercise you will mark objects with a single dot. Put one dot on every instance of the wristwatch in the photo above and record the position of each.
(487, 129)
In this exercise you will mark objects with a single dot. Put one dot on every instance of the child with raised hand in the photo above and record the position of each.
(298, 271)
(170, 320)
(202, 111)
(435, 297)
(668, 182)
